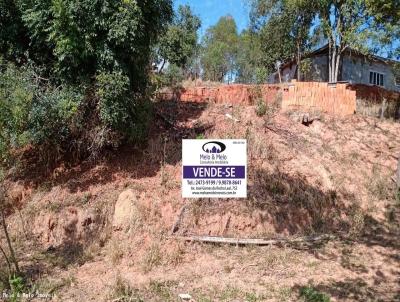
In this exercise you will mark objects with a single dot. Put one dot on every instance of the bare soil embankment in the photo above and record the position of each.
(79, 238)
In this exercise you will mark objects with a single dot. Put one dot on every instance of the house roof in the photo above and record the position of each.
(325, 48)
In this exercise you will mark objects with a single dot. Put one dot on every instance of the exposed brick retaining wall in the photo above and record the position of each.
(299, 96)
(319, 97)
(229, 94)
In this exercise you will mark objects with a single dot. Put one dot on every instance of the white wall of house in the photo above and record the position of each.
(360, 70)
(355, 69)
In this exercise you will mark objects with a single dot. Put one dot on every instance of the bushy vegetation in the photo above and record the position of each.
(172, 76)
(261, 107)
(220, 47)
(310, 294)
(177, 49)
(74, 74)
(36, 113)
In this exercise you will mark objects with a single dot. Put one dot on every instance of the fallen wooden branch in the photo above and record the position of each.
(271, 129)
(251, 241)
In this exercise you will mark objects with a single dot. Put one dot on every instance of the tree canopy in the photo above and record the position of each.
(249, 58)
(179, 43)
(220, 47)
(284, 27)
(356, 24)
(82, 67)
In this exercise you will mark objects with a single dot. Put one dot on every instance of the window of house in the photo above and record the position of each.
(397, 80)
(376, 78)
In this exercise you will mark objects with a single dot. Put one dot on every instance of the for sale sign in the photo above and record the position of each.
(214, 168)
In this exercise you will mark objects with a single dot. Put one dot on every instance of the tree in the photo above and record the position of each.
(178, 45)
(384, 10)
(343, 24)
(284, 27)
(89, 37)
(354, 24)
(387, 25)
(220, 47)
(249, 59)
(303, 12)
(89, 63)
(13, 36)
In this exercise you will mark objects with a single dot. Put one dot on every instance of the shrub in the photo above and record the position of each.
(120, 109)
(310, 294)
(16, 96)
(173, 75)
(54, 115)
(32, 113)
(94, 56)
(17, 286)
(261, 74)
(68, 118)
(261, 107)
(113, 92)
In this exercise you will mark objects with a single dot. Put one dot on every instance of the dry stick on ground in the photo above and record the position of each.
(245, 241)
(398, 174)
(12, 254)
(7, 260)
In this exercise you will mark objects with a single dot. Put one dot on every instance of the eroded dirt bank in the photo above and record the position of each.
(333, 177)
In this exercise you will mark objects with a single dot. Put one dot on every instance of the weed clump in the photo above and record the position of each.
(122, 291)
(311, 294)
(261, 107)
(152, 259)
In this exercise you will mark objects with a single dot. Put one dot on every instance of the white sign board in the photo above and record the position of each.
(214, 168)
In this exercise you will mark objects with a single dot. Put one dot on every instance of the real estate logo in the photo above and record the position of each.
(214, 147)
(214, 168)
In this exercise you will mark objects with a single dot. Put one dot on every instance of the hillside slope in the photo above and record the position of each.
(76, 242)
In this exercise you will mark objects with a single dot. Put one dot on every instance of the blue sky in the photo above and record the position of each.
(210, 11)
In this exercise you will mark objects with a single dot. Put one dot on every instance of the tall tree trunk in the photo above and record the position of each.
(335, 57)
(337, 64)
(298, 62)
(333, 65)
(162, 66)
(330, 55)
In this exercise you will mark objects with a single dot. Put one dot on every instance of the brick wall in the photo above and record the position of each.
(334, 99)
(299, 96)
(229, 94)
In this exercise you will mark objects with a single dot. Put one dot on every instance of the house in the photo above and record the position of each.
(356, 68)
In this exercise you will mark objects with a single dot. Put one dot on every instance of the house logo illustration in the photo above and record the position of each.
(214, 147)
